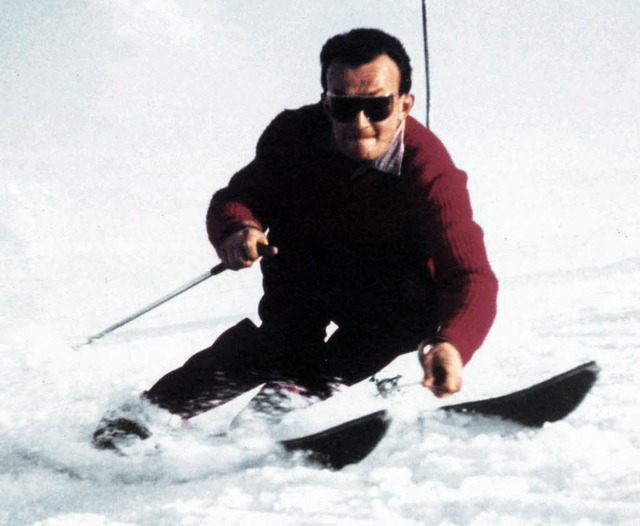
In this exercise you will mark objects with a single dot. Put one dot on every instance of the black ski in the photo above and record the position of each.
(351, 441)
(547, 401)
(345, 444)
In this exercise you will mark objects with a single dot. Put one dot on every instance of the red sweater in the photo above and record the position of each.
(407, 243)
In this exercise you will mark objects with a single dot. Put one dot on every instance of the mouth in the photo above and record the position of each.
(358, 137)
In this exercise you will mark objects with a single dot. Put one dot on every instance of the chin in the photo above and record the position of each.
(362, 152)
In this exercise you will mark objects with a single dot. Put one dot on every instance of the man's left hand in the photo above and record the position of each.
(442, 366)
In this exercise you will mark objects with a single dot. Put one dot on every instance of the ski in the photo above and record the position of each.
(345, 444)
(547, 401)
(315, 433)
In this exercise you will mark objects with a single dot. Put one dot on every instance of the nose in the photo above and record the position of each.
(361, 120)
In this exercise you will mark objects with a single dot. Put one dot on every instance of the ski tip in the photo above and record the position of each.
(591, 366)
(547, 401)
(345, 444)
(588, 372)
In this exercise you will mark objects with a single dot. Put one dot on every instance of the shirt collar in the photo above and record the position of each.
(390, 162)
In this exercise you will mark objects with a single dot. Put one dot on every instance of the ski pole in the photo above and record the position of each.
(263, 250)
(213, 272)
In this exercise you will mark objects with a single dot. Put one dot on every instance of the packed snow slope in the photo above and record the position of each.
(120, 118)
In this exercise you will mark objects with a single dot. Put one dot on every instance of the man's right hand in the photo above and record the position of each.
(242, 248)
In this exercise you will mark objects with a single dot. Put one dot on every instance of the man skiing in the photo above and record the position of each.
(359, 218)
(364, 221)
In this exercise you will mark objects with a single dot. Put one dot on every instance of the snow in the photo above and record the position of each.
(120, 118)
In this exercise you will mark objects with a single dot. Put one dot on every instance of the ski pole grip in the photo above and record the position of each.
(263, 251)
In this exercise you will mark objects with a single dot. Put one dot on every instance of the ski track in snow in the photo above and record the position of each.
(120, 119)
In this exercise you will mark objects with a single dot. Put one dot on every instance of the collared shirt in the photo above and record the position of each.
(390, 162)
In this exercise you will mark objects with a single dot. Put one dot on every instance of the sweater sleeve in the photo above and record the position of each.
(251, 193)
(232, 207)
(466, 286)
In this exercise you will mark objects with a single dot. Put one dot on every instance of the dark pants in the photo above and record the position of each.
(245, 356)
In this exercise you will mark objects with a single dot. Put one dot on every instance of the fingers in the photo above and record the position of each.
(242, 248)
(442, 367)
(267, 250)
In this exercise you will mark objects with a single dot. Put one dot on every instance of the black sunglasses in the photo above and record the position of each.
(345, 108)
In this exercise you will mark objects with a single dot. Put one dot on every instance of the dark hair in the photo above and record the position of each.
(360, 46)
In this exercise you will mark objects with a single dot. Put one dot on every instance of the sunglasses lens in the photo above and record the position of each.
(344, 108)
(378, 108)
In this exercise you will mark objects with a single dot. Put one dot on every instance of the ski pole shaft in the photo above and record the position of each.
(263, 250)
(214, 271)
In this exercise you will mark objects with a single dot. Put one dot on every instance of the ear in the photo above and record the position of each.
(406, 104)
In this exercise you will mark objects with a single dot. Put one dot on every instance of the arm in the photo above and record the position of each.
(234, 229)
(239, 214)
(465, 284)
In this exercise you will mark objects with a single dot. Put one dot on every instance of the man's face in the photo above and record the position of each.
(361, 138)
